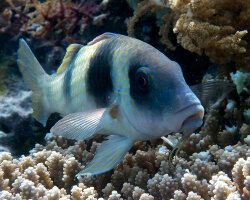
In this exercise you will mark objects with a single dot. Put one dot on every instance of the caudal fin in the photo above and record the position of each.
(36, 78)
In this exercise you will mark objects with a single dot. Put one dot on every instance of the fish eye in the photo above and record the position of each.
(140, 83)
(142, 80)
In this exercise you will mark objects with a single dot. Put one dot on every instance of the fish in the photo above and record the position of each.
(116, 86)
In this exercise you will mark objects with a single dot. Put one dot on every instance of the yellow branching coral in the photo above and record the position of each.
(138, 176)
(44, 175)
(4, 183)
(70, 168)
(241, 177)
(221, 187)
(222, 43)
(216, 28)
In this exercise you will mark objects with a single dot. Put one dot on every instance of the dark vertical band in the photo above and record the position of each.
(99, 81)
(68, 74)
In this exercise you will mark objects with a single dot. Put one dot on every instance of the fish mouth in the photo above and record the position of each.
(193, 117)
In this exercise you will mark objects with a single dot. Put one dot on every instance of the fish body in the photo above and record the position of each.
(117, 86)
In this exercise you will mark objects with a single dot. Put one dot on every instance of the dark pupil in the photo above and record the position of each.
(142, 81)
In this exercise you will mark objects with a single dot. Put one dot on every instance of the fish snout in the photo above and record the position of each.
(192, 117)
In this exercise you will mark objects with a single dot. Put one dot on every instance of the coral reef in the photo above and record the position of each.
(213, 164)
(216, 28)
(11, 16)
(64, 18)
(49, 172)
(40, 18)
(17, 128)
(15, 115)
(15, 110)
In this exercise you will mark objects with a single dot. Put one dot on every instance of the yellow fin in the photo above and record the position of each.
(101, 37)
(72, 50)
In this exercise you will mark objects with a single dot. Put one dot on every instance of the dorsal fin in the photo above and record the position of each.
(72, 50)
(101, 37)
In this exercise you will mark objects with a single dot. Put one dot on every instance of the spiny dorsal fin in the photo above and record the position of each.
(101, 37)
(70, 54)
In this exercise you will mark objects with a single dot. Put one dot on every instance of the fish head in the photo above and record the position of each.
(160, 100)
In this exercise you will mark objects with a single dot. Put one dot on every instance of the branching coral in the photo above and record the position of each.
(221, 186)
(63, 18)
(217, 28)
(145, 174)
(50, 173)
(11, 16)
(241, 177)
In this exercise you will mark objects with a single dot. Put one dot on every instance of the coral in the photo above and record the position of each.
(212, 164)
(191, 184)
(82, 192)
(216, 28)
(3, 77)
(221, 186)
(13, 106)
(239, 79)
(109, 188)
(203, 167)
(15, 114)
(62, 17)
(11, 16)
(16, 123)
(241, 177)
(4, 183)
(46, 172)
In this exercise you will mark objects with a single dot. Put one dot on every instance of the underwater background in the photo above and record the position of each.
(209, 39)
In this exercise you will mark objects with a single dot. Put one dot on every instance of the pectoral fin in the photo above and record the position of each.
(108, 155)
(82, 125)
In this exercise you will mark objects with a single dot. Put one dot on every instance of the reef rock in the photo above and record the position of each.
(15, 114)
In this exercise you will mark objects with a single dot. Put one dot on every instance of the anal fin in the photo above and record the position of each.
(108, 155)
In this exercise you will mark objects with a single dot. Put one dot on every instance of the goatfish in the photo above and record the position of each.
(116, 86)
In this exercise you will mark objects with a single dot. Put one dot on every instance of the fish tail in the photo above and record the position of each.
(37, 79)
